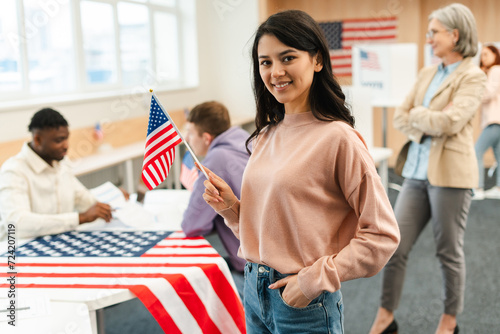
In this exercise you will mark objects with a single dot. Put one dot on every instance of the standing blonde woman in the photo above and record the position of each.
(438, 163)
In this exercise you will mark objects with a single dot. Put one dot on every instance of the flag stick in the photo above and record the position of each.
(180, 135)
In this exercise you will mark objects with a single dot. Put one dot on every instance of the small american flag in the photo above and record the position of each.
(183, 282)
(189, 172)
(369, 60)
(98, 134)
(341, 35)
(160, 146)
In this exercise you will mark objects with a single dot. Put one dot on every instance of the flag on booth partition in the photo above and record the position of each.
(160, 146)
(369, 60)
(341, 35)
(189, 172)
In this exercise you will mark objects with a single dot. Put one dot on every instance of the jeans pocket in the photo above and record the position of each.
(316, 302)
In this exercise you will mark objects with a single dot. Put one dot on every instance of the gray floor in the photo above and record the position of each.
(421, 302)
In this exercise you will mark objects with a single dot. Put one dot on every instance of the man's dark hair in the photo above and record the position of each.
(46, 118)
(211, 117)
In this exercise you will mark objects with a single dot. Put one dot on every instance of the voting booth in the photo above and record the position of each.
(359, 101)
(389, 70)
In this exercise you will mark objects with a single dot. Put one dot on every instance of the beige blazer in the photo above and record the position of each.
(452, 159)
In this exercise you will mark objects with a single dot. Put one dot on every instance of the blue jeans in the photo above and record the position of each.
(267, 312)
(490, 137)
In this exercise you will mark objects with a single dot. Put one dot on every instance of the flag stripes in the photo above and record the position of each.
(146, 296)
(369, 60)
(190, 292)
(160, 143)
(160, 146)
(342, 35)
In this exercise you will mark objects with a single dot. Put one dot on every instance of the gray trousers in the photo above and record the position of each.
(447, 210)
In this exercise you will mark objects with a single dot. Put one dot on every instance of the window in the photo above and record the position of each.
(10, 61)
(135, 39)
(50, 63)
(99, 48)
(81, 46)
(167, 58)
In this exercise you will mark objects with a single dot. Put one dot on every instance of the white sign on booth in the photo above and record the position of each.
(390, 70)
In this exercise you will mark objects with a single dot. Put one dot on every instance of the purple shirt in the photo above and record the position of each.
(227, 157)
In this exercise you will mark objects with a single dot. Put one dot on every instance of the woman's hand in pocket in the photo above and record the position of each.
(292, 295)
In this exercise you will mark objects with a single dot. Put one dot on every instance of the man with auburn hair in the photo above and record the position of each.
(38, 192)
(210, 135)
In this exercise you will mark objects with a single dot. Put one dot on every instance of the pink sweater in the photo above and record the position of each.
(490, 111)
(312, 203)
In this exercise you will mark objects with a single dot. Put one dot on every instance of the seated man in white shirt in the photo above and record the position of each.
(38, 192)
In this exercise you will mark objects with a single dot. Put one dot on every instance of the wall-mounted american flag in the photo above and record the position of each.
(183, 282)
(341, 35)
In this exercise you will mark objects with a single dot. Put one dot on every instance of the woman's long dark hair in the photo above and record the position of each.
(298, 30)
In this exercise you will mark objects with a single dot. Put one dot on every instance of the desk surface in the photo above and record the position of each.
(107, 158)
(380, 153)
(47, 317)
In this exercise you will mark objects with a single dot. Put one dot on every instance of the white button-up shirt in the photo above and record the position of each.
(38, 198)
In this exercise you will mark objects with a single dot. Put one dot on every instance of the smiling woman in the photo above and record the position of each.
(287, 73)
(313, 212)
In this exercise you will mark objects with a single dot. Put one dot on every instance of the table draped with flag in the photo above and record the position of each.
(183, 282)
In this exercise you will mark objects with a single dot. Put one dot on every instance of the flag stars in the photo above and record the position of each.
(110, 244)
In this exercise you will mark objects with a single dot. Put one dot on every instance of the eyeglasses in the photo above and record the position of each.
(431, 33)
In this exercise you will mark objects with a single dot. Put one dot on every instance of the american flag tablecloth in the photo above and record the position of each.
(183, 282)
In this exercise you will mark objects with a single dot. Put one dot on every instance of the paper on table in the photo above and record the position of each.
(101, 224)
(134, 215)
(110, 194)
(126, 214)
(167, 206)
(163, 209)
